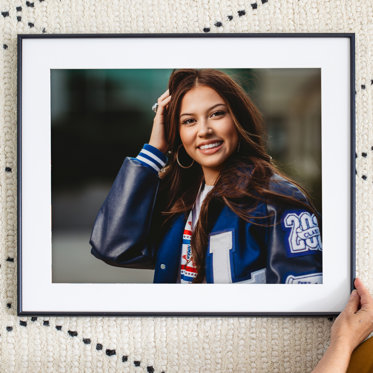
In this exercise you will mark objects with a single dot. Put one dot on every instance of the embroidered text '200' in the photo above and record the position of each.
(304, 234)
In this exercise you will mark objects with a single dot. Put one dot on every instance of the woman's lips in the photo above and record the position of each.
(210, 148)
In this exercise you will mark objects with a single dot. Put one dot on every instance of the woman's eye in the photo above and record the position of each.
(188, 121)
(218, 113)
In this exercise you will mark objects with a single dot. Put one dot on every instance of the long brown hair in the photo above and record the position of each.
(244, 177)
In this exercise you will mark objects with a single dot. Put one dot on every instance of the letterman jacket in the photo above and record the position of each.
(285, 249)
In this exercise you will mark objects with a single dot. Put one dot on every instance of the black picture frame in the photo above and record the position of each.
(38, 295)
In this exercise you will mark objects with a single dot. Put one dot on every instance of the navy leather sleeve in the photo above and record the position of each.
(293, 242)
(121, 230)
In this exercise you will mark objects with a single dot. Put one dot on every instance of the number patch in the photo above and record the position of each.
(313, 278)
(304, 233)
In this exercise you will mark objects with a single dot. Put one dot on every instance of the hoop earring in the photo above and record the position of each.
(178, 161)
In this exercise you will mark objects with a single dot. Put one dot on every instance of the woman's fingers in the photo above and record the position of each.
(353, 303)
(164, 95)
(355, 323)
(365, 298)
(162, 103)
(157, 136)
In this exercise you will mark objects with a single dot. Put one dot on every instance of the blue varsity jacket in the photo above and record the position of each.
(286, 249)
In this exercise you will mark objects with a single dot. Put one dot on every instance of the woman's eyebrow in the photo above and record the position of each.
(212, 107)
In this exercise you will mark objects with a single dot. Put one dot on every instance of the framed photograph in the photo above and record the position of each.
(186, 174)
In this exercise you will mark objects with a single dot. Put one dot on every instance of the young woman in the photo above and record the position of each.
(218, 211)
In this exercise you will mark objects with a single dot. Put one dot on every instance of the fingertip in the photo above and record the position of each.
(359, 284)
(353, 296)
(354, 293)
(365, 297)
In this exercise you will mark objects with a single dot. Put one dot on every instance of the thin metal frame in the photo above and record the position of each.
(21, 37)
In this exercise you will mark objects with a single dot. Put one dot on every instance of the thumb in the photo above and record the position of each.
(353, 302)
(366, 299)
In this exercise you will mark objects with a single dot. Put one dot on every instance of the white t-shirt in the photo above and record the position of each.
(197, 206)
(187, 269)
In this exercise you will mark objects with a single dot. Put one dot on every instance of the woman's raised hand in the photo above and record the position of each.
(157, 137)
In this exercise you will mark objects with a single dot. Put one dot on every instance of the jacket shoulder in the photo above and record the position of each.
(280, 185)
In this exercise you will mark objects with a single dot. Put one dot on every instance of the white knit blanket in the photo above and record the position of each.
(175, 344)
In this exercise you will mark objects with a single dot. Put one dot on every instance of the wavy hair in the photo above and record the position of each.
(244, 178)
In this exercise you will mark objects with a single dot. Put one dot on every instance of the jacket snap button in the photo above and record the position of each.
(163, 266)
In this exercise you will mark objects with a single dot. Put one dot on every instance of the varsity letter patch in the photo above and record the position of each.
(220, 246)
(304, 232)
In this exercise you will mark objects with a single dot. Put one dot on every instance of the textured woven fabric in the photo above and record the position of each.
(185, 344)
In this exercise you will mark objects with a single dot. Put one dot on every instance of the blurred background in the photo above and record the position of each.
(101, 116)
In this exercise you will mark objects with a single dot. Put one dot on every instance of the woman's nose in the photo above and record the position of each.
(204, 128)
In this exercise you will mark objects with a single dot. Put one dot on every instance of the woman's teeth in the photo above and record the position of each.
(209, 146)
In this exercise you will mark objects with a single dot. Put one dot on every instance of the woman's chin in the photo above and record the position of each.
(213, 161)
(211, 164)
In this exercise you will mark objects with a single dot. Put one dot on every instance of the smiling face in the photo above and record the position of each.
(207, 130)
